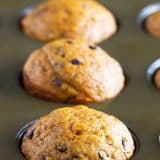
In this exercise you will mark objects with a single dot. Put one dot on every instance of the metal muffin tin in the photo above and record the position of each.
(138, 105)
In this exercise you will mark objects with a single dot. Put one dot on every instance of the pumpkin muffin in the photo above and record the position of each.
(152, 24)
(72, 71)
(78, 133)
(82, 19)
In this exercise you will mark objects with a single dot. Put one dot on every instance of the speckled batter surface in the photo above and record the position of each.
(78, 133)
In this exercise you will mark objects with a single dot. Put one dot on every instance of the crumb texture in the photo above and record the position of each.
(78, 133)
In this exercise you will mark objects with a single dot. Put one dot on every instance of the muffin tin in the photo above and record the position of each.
(137, 105)
(147, 11)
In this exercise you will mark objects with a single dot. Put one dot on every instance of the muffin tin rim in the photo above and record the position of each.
(147, 11)
(153, 67)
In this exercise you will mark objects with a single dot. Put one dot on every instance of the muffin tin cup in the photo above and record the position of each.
(21, 133)
(146, 12)
(136, 142)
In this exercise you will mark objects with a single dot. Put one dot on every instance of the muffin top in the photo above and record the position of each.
(73, 71)
(78, 133)
(153, 24)
(84, 19)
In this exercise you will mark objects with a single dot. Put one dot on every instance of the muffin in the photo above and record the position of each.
(72, 71)
(152, 24)
(157, 79)
(82, 19)
(78, 133)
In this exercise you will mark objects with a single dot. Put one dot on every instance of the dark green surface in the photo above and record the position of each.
(138, 105)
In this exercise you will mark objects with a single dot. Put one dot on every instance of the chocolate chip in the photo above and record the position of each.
(61, 148)
(102, 155)
(78, 132)
(75, 62)
(60, 52)
(92, 46)
(75, 156)
(57, 82)
(69, 41)
(30, 133)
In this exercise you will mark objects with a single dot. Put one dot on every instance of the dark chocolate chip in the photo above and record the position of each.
(75, 156)
(75, 62)
(92, 46)
(61, 148)
(30, 133)
(102, 155)
(78, 132)
(60, 52)
(57, 82)
(69, 41)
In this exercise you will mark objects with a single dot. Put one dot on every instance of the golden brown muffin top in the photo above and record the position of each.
(85, 19)
(75, 69)
(78, 133)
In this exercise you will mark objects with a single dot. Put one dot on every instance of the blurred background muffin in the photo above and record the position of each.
(152, 24)
(83, 19)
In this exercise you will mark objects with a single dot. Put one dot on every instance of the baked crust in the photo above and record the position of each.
(82, 19)
(72, 71)
(78, 133)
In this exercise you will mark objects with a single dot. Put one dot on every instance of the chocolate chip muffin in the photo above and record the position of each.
(72, 71)
(153, 24)
(83, 19)
(78, 133)
(157, 79)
